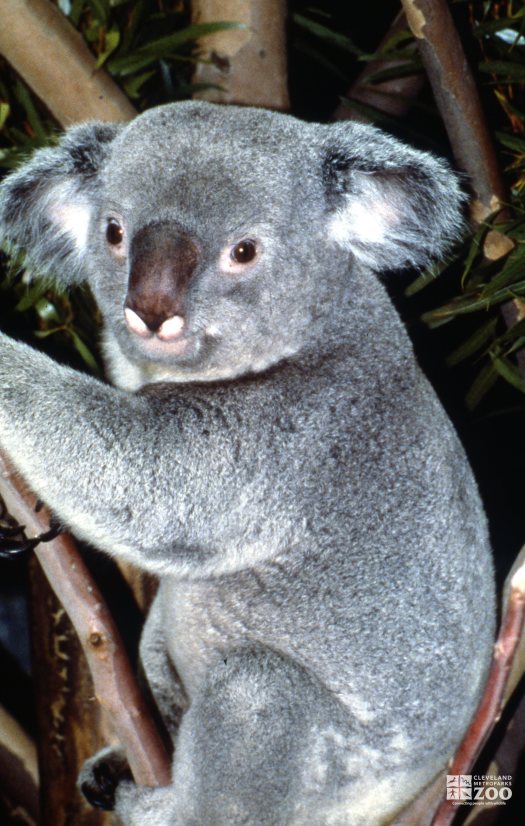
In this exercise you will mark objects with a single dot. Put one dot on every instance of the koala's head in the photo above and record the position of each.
(220, 240)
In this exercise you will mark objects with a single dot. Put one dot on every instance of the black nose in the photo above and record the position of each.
(162, 261)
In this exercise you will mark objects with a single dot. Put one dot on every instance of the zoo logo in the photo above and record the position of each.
(489, 788)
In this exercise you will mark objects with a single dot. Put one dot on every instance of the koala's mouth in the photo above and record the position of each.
(168, 330)
(171, 339)
(167, 339)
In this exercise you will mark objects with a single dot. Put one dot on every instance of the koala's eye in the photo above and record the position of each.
(114, 232)
(244, 252)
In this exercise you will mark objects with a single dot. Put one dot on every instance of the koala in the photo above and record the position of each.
(268, 446)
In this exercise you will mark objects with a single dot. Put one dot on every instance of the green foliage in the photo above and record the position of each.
(130, 40)
(69, 324)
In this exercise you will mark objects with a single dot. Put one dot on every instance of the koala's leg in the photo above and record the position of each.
(108, 771)
(243, 749)
(100, 776)
(161, 676)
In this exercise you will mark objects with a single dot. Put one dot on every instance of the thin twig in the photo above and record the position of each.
(115, 684)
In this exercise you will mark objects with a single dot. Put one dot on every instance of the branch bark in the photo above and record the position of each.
(114, 682)
(18, 768)
(458, 101)
(51, 56)
(69, 721)
(490, 707)
(248, 64)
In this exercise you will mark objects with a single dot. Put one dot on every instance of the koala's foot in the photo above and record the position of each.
(101, 775)
(13, 541)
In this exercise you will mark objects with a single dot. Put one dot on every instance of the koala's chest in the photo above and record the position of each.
(199, 629)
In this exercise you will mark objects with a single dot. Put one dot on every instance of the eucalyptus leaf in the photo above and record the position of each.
(504, 69)
(84, 352)
(474, 343)
(512, 271)
(513, 142)
(76, 11)
(112, 40)
(484, 27)
(46, 310)
(31, 296)
(165, 47)
(412, 67)
(427, 277)
(24, 98)
(473, 252)
(133, 84)
(484, 381)
(510, 335)
(5, 111)
(509, 372)
(518, 345)
(48, 333)
(100, 10)
(394, 40)
(326, 34)
(473, 303)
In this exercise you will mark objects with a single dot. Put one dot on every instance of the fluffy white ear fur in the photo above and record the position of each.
(390, 205)
(70, 214)
(46, 206)
(384, 224)
(362, 224)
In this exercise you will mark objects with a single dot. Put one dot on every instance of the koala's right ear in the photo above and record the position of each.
(390, 205)
(46, 205)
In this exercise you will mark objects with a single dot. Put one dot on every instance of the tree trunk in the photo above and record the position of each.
(248, 64)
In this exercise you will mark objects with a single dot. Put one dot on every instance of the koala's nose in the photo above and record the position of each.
(162, 261)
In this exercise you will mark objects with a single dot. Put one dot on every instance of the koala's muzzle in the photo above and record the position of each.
(162, 260)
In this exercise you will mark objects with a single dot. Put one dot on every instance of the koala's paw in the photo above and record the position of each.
(14, 542)
(101, 775)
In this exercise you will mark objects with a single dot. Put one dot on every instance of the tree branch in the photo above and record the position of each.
(457, 97)
(18, 767)
(458, 101)
(51, 56)
(491, 704)
(113, 678)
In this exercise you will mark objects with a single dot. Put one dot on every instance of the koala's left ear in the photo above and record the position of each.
(46, 205)
(389, 204)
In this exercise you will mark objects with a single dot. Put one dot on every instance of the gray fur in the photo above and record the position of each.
(326, 585)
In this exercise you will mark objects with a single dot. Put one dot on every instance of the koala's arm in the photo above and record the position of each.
(96, 455)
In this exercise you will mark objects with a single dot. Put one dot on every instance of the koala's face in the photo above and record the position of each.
(220, 240)
(196, 249)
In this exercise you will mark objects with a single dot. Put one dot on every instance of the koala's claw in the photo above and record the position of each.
(101, 793)
(13, 541)
(100, 778)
